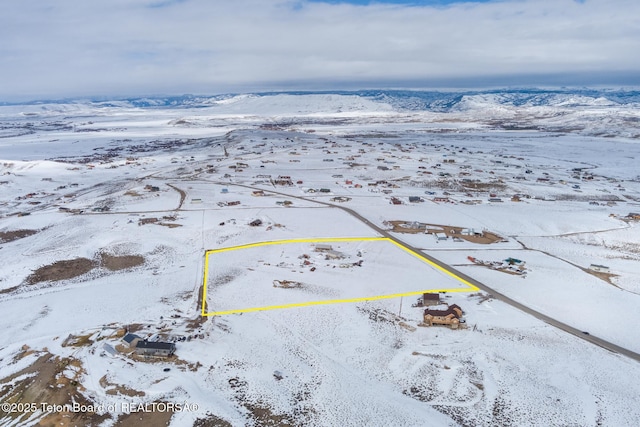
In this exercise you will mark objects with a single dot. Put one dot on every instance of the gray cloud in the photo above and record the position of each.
(121, 47)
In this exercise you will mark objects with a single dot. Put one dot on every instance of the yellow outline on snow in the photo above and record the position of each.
(323, 302)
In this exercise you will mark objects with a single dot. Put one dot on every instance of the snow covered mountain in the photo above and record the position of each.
(582, 111)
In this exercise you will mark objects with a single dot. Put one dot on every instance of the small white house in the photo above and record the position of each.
(440, 236)
(599, 268)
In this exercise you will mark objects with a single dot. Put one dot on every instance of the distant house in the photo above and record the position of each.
(415, 199)
(224, 190)
(131, 340)
(495, 199)
(340, 199)
(634, 215)
(396, 201)
(440, 199)
(283, 180)
(256, 223)
(383, 168)
(325, 190)
(321, 247)
(196, 200)
(258, 193)
(333, 255)
(157, 349)
(440, 236)
(599, 268)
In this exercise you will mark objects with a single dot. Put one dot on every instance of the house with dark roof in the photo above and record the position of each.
(131, 340)
(451, 316)
(157, 348)
(599, 268)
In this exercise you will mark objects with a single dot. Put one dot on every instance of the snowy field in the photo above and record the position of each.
(107, 209)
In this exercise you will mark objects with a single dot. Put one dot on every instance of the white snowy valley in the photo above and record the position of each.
(261, 260)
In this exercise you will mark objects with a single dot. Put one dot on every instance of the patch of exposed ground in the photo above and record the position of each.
(72, 268)
(115, 263)
(78, 340)
(211, 421)
(485, 186)
(483, 238)
(49, 379)
(168, 221)
(602, 276)
(148, 418)
(118, 389)
(263, 415)
(10, 236)
(61, 270)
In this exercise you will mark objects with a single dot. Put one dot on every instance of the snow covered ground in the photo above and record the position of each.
(106, 211)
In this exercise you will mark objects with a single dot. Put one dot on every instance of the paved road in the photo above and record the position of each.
(497, 295)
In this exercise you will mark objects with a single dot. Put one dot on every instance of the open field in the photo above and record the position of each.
(352, 270)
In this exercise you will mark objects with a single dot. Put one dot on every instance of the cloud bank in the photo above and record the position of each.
(58, 48)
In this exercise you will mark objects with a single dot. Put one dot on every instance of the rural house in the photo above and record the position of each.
(131, 340)
(157, 349)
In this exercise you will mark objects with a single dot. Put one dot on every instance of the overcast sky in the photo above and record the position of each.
(71, 48)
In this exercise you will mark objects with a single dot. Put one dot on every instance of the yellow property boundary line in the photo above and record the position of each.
(324, 302)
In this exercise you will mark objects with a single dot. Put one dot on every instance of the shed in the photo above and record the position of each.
(109, 349)
(428, 300)
(440, 236)
(321, 247)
